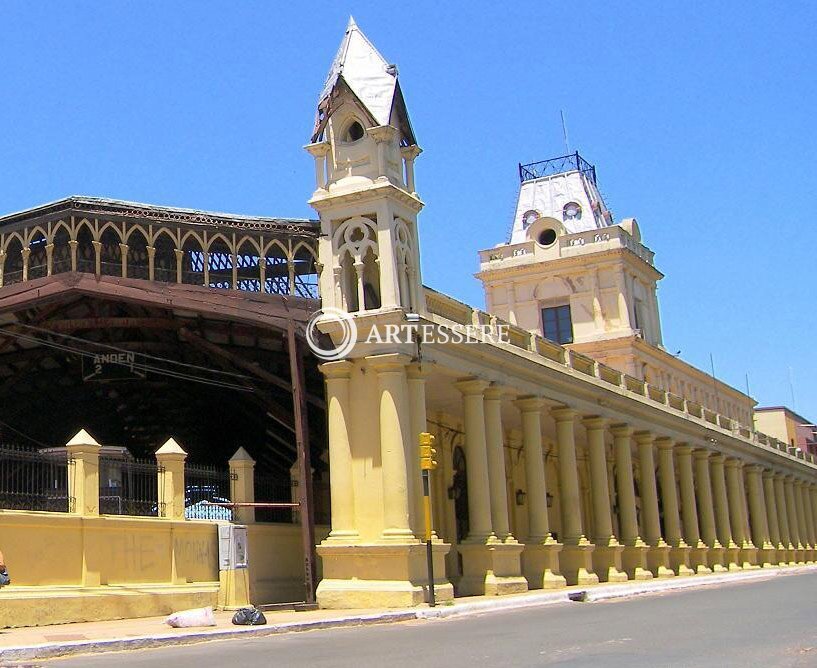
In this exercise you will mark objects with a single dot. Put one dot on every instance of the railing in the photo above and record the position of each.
(274, 489)
(132, 488)
(205, 485)
(564, 163)
(32, 480)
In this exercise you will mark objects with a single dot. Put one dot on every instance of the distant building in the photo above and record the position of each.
(787, 426)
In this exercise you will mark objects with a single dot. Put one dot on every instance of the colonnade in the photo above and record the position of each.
(674, 509)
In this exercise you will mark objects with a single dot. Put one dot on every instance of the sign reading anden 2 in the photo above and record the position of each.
(103, 367)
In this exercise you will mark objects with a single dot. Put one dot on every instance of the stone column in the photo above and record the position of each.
(802, 525)
(689, 511)
(679, 550)
(783, 518)
(496, 464)
(737, 506)
(658, 555)
(634, 556)
(83, 474)
(758, 516)
(170, 458)
(490, 567)
(721, 501)
(341, 480)
(576, 560)
(812, 532)
(417, 374)
(794, 521)
(703, 493)
(778, 556)
(811, 499)
(540, 560)
(608, 551)
(242, 485)
(394, 444)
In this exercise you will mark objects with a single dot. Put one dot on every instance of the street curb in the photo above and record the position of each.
(539, 599)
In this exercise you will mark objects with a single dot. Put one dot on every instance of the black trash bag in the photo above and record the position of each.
(4, 578)
(251, 616)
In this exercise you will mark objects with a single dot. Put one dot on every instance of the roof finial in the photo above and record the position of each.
(351, 25)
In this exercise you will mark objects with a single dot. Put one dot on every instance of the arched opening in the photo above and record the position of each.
(459, 489)
(353, 132)
(348, 286)
(110, 253)
(220, 264)
(305, 273)
(192, 261)
(86, 253)
(371, 280)
(276, 270)
(138, 263)
(61, 255)
(13, 266)
(38, 257)
(164, 258)
(248, 267)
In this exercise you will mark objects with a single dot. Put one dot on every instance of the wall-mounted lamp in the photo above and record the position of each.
(520, 497)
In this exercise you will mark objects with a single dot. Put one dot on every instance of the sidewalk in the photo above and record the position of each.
(45, 642)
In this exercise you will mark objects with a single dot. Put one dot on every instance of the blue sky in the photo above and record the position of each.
(698, 116)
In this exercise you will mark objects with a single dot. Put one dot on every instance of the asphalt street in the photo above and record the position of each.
(767, 623)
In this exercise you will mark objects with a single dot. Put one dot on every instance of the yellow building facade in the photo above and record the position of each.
(600, 461)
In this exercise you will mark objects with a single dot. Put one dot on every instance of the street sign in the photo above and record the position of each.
(114, 366)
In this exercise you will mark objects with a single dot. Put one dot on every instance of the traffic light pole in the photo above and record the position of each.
(427, 464)
(429, 553)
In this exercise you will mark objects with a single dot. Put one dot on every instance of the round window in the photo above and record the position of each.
(572, 211)
(547, 237)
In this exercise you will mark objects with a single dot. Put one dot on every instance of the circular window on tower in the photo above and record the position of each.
(353, 132)
(528, 218)
(546, 237)
(571, 211)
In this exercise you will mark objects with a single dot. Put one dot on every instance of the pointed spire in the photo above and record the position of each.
(82, 437)
(370, 78)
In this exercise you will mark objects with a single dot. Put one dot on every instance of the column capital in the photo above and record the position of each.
(717, 458)
(779, 476)
(83, 443)
(734, 462)
(768, 474)
(171, 451)
(683, 448)
(798, 482)
(753, 468)
(594, 422)
(494, 391)
(471, 386)
(701, 453)
(644, 437)
(388, 363)
(621, 430)
(241, 459)
(338, 369)
(789, 478)
(418, 371)
(563, 414)
(529, 404)
(664, 443)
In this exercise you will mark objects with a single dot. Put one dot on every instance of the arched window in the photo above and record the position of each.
(247, 267)
(86, 253)
(276, 270)
(304, 272)
(220, 264)
(164, 258)
(13, 264)
(61, 255)
(138, 263)
(356, 244)
(405, 264)
(38, 257)
(192, 261)
(110, 253)
(353, 132)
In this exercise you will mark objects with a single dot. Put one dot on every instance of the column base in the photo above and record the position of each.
(634, 561)
(809, 556)
(748, 557)
(540, 565)
(799, 555)
(716, 558)
(607, 562)
(731, 557)
(491, 569)
(658, 561)
(766, 556)
(679, 560)
(380, 575)
(577, 564)
(699, 559)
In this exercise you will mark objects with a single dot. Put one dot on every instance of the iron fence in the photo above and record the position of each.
(560, 165)
(130, 487)
(205, 485)
(33, 480)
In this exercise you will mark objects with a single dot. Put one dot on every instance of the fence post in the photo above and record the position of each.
(170, 458)
(83, 474)
(242, 485)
